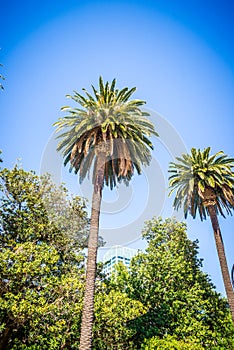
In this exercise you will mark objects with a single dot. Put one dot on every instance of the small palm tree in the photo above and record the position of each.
(109, 134)
(205, 184)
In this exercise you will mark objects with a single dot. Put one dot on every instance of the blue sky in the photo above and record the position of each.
(179, 55)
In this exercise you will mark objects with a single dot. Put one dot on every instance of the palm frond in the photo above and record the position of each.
(195, 173)
(107, 117)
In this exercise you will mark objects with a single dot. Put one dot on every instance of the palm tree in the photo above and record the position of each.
(205, 184)
(109, 134)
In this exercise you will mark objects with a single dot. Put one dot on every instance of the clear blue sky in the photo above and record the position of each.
(179, 54)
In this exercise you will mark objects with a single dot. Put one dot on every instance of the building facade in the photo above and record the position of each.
(115, 255)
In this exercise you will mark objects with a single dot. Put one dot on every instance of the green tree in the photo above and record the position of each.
(29, 204)
(205, 184)
(111, 132)
(41, 265)
(66, 211)
(169, 343)
(180, 299)
(113, 312)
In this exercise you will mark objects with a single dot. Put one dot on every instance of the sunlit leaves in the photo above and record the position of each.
(170, 343)
(42, 232)
(180, 298)
(113, 312)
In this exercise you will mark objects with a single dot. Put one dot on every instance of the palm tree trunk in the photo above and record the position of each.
(88, 305)
(222, 258)
(5, 338)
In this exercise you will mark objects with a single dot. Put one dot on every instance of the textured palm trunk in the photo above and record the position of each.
(222, 258)
(88, 305)
(5, 338)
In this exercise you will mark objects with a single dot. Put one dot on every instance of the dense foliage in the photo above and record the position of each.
(164, 301)
(41, 265)
(113, 311)
(170, 343)
(180, 299)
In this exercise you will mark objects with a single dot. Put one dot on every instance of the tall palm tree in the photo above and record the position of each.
(205, 184)
(108, 133)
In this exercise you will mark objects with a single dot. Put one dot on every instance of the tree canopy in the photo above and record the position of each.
(181, 301)
(41, 261)
(164, 301)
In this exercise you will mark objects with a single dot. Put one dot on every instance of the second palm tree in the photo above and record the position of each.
(205, 184)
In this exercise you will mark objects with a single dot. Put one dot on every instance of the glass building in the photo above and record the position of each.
(115, 255)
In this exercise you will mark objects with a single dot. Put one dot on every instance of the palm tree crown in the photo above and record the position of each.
(202, 180)
(106, 122)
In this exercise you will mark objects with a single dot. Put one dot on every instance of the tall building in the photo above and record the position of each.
(115, 255)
